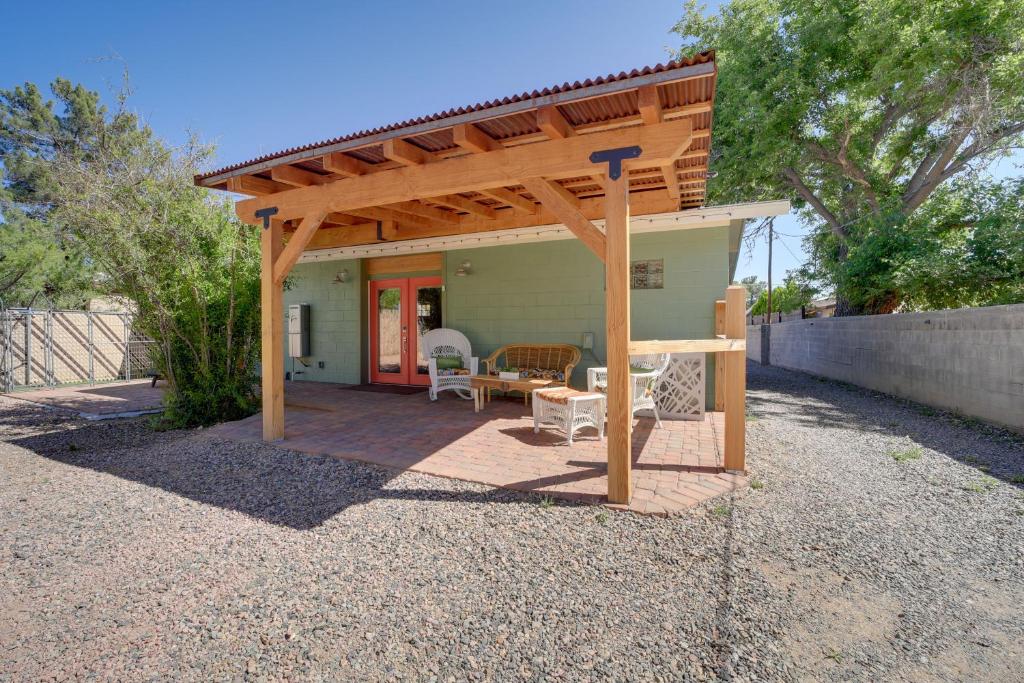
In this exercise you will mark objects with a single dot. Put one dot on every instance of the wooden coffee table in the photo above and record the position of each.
(480, 386)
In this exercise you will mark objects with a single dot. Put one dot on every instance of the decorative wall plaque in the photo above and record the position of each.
(648, 274)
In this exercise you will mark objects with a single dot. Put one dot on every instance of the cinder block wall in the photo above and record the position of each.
(554, 292)
(969, 360)
(541, 292)
(754, 343)
(335, 321)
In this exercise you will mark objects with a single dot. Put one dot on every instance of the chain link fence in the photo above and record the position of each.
(50, 348)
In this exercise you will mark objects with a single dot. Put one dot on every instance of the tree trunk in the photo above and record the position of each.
(845, 307)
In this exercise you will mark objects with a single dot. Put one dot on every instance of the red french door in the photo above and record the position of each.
(402, 310)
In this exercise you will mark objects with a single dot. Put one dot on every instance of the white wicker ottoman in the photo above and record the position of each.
(569, 410)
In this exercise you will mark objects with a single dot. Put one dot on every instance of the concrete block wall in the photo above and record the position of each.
(554, 292)
(754, 343)
(967, 360)
(335, 326)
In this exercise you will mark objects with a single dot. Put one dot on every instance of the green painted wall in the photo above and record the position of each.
(540, 292)
(554, 292)
(335, 320)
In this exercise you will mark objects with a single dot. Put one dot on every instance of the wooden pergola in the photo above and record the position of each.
(632, 144)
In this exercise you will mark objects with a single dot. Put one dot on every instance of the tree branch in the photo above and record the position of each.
(805, 192)
(928, 178)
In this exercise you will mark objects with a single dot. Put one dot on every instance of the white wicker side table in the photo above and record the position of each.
(569, 410)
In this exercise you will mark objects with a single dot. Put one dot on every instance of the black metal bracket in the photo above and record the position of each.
(380, 231)
(615, 157)
(265, 214)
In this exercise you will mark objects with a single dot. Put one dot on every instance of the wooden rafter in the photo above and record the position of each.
(344, 165)
(553, 124)
(469, 137)
(405, 153)
(251, 185)
(380, 213)
(429, 212)
(554, 159)
(651, 113)
(591, 208)
(513, 199)
(462, 204)
(297, 177)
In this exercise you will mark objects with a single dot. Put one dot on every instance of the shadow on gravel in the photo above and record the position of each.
(277, 486)
(817, 402)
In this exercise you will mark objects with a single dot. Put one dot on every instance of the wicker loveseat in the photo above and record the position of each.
(542, 361)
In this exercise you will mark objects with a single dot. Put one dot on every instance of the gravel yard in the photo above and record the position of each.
(880, 540)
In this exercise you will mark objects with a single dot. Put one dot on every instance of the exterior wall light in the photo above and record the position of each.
(342, 277)
(464, 269)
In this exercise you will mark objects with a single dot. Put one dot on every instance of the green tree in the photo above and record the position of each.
(82, 179)
(785, 299)
(182, 257)
(39, 263)
(860, 110)
(754, 288)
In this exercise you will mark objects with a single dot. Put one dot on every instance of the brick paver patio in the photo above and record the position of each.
(674, 468)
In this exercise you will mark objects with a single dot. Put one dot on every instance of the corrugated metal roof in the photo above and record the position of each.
(610, 105)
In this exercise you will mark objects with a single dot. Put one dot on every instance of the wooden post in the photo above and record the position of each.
(719, 357)
(272, 318)
(620, 413)
(735, 382)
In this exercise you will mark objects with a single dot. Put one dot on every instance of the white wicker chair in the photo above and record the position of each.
(644, 385)
(447, 342)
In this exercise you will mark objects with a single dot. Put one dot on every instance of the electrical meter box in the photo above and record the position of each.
(298, 331)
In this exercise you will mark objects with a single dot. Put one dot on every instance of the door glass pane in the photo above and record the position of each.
(428, 317)
(389, 330)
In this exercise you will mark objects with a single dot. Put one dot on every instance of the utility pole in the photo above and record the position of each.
(771, 235)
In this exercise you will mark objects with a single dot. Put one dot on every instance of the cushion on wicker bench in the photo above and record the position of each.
(561, 395)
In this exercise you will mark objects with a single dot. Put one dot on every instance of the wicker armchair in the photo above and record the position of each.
(558, 360)
(643, 385)
(448, 342)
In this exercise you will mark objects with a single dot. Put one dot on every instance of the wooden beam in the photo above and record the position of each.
(640, 348)
(251, 185)
(505, 167)
(424, 211)
(640, 204)
(719, 358)
(513, 199)
(671, 179)
(405, 153)
(272, 334)
(620, 409)
(377, 213)
(343, 219)
(463, 204)
(735, 382)
(344, 165)
(649, 104)
(566, 207)
(297, 177)
(469, 137)
(554, 125)
(346, 235)
(297, 244)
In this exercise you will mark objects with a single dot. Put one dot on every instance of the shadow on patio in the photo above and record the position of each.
(673, 468)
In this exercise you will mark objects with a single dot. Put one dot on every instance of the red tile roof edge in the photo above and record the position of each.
(699, 58)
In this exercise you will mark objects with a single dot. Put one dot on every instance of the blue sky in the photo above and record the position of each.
(256, 77)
